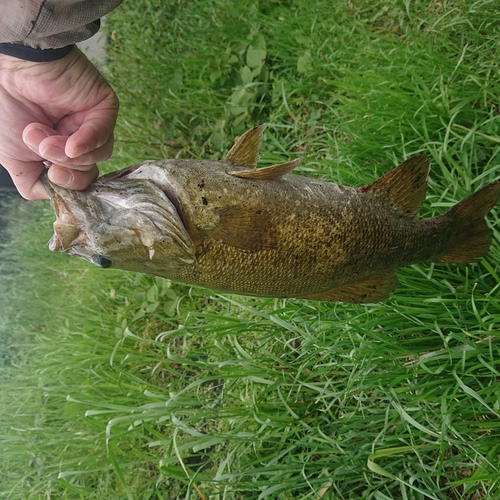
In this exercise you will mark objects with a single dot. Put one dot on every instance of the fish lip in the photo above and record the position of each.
(56, 199)
(49, 187)
(67, 227)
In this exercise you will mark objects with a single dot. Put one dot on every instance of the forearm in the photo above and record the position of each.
(51, 24)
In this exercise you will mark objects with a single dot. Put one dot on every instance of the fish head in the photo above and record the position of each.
(120, 222)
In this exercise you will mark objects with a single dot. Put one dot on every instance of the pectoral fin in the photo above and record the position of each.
(403, 187)
(267, 173)
(372, 289)
(248, 230)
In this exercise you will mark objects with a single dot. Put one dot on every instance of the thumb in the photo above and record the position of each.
(25, 176)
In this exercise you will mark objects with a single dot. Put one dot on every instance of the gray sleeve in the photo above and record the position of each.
(51, 24)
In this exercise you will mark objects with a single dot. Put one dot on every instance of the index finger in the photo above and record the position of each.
(89, 130)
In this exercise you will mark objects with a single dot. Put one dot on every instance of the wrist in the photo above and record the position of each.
(27, 53)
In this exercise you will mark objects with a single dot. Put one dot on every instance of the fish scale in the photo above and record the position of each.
(231, 227)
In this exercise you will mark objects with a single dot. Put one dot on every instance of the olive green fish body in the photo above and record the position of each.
(266, 232)
(294, 236)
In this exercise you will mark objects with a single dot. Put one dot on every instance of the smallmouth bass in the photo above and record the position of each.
(228, 226)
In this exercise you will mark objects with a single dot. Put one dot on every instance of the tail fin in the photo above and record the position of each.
(473, 235)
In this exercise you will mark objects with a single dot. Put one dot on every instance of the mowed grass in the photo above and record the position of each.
(122, 386)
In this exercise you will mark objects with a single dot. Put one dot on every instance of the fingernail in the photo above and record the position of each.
(62, 177)
(79, 150)
(54, 153)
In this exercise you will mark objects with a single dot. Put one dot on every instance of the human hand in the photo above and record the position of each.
(61, 111)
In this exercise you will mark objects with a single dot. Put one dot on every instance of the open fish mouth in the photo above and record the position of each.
(119, 221)
(67, 227)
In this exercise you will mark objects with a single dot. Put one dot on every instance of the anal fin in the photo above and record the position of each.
(371, 289)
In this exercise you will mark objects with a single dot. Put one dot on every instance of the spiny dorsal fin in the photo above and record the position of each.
(267, 173)
(404, 187)
(370, 289)
(245, 152)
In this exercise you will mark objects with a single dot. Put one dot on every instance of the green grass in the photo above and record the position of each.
(121, 386)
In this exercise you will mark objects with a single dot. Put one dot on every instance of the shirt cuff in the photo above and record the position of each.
(34, 55)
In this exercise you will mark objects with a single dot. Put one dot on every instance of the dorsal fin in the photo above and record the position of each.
(267, 173)
(404, 187)
(245, 152)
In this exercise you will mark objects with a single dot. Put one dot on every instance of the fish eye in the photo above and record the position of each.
(101, 261)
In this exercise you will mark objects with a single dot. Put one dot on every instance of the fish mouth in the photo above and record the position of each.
(67, 227)
(120, 217)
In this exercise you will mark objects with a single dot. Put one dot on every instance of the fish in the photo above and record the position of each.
(234, 228)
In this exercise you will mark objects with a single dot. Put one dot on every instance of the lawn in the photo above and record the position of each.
(123, 386)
